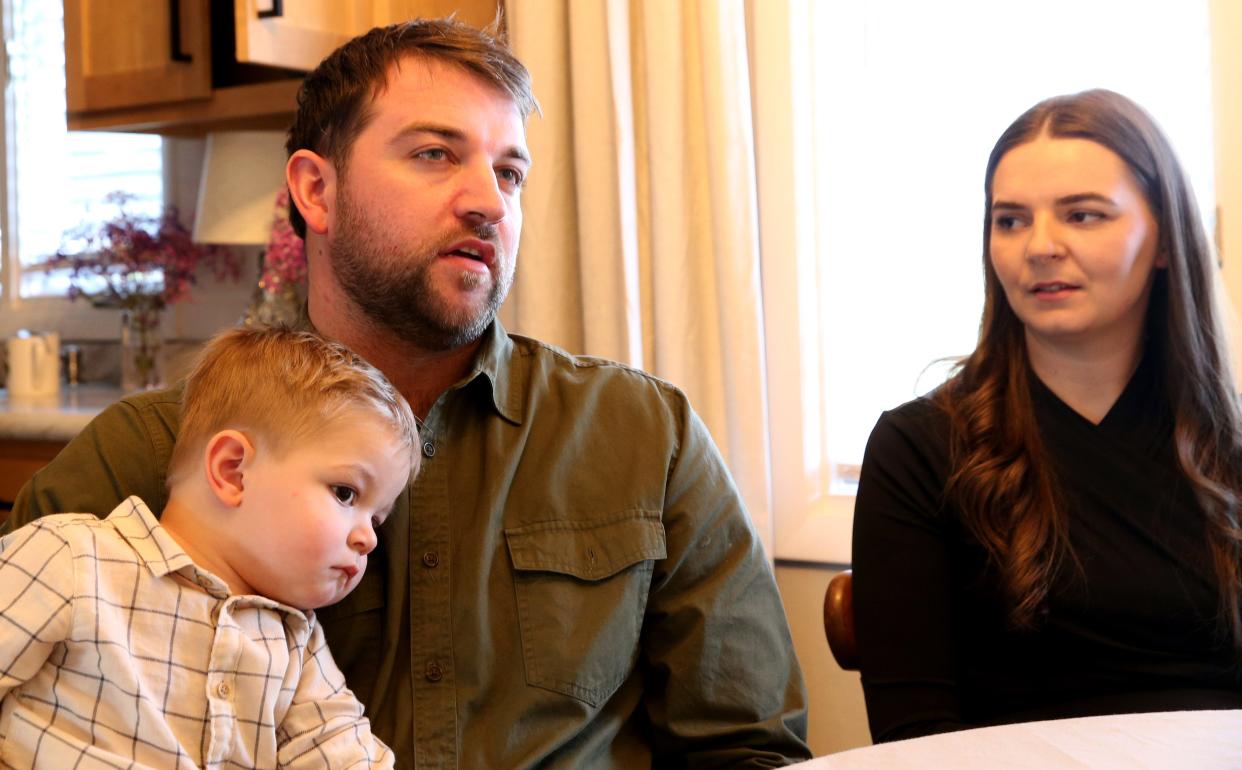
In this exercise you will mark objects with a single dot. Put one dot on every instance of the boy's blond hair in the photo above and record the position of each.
(279, 386)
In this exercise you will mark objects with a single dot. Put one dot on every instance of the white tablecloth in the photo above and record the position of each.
(1190, 740)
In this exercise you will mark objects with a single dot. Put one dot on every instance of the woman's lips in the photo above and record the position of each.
(1053, 289)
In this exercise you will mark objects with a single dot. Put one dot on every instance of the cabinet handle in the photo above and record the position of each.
(174, 32)
(278, 9)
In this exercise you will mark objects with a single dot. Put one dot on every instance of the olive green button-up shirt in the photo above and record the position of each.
(570, 582)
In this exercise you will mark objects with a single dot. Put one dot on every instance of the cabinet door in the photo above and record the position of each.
(125, 53)
(298, 34)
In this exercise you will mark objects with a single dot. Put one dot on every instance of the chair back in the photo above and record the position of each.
(839, 620)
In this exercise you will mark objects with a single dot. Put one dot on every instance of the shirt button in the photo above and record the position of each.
(431, 559)
(434, 672)
(429, 449)
(223, 690)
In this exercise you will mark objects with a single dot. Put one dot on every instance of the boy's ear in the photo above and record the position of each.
(312, 185)
(228, 455)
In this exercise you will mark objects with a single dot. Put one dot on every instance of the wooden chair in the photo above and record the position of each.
(839, 620)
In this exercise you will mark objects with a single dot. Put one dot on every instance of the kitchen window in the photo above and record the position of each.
(54, 179)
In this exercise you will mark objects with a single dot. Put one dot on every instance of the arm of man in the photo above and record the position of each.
(724, 688)
(903, 601)
(36, 595)
(324, 727)
(123, 451)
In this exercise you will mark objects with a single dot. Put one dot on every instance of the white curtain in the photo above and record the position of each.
(641, 238)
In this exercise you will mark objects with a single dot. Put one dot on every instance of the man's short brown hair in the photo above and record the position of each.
(334, 100)
(279, 386)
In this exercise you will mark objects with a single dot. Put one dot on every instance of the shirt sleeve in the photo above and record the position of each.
(121, 452)
(902, 580)
(36, 601)
(324, 727)
(723, 684)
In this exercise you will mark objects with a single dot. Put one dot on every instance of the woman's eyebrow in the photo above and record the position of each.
(1065, 200)
(1087, 197)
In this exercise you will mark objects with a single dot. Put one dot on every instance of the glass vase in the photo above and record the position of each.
(141, 348)
(274, 308)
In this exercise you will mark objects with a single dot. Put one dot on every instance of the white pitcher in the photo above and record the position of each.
(33, 365)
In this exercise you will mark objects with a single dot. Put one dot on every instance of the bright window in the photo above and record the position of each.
(57, 179)
(896, 104)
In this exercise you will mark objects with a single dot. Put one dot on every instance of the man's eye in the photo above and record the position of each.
(512, 176)
(345, 495)
(435, 153)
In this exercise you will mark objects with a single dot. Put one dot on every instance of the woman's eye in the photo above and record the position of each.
(1082, 217)
(343, 494)
(1005, 222)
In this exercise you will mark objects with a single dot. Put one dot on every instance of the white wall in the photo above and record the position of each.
(837, 717)
(1227, 101)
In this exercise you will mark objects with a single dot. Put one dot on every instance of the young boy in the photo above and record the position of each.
(190, 641)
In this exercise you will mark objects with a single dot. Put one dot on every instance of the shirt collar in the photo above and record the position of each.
(496, 365)
(157, 549)
(162, 555)
(494, 361)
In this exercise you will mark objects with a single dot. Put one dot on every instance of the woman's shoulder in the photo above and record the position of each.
(922, 421)
(910, 445)
(906, 464)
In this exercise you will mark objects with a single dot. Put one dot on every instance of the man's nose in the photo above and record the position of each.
(480, 200)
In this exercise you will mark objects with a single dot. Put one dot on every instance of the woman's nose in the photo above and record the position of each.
(1044, 241)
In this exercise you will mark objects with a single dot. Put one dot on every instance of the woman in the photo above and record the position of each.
(1054, 531)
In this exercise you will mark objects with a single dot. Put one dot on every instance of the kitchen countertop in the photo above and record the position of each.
(54, 419)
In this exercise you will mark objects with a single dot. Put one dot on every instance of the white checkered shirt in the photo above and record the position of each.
(116, 651)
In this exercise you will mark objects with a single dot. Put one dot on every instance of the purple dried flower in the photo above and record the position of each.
(284, 261)
(137, 259)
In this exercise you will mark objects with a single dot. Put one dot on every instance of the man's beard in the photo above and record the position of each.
(394, 288)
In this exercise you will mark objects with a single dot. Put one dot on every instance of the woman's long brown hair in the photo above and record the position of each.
(1001, 480)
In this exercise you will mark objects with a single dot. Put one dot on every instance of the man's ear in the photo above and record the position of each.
(312, 185)
(229, 455)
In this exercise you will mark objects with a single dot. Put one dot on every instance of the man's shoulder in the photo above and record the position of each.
(154, 400)
(148, 408)
(155, 413)
(591, 371)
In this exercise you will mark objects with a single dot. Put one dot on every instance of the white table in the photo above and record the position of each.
(1177, 740)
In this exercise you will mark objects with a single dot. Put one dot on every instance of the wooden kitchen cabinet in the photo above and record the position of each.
(298, 33)
(19, 459)
(192, 66)
(126, 53)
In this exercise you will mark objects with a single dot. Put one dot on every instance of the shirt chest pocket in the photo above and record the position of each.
(581, 590)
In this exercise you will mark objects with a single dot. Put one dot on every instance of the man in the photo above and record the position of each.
(572, 580)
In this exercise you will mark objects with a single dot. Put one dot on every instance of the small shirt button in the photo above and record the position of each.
(431, 559)
(429, 449)
(434, 672)
(223, 690)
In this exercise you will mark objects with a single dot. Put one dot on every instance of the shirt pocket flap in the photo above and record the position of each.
(588, 550)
